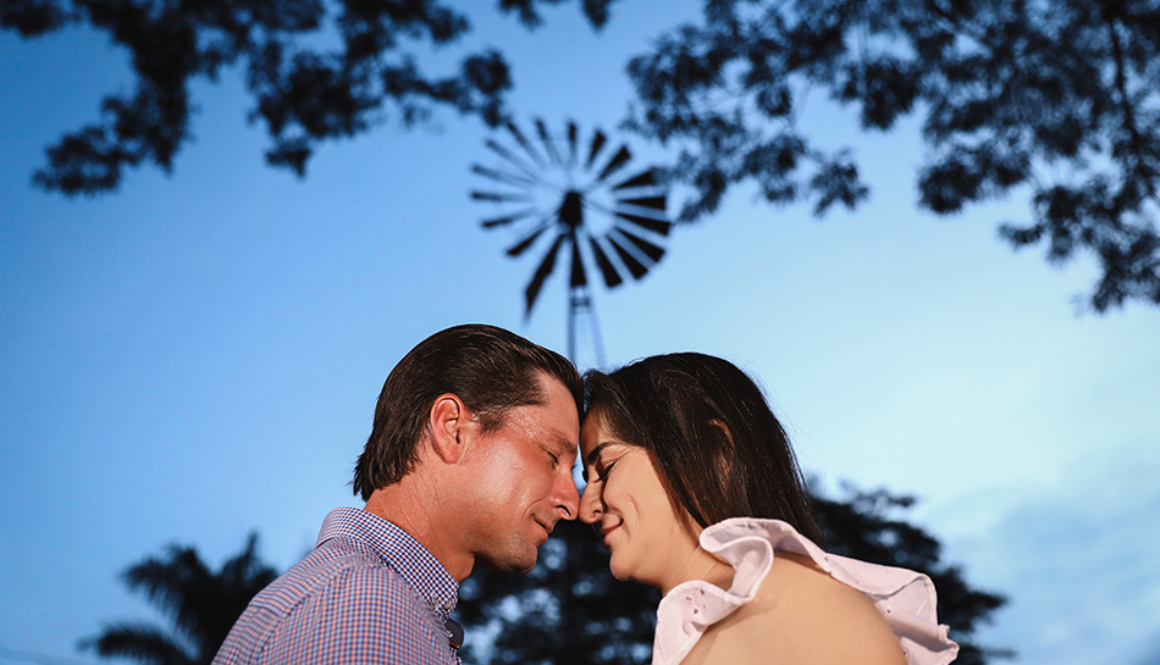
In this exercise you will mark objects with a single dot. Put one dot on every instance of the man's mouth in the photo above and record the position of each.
(547, 526)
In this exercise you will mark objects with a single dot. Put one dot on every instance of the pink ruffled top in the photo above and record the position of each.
(905, 598)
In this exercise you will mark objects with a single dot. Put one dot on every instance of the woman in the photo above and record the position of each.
(693, 487)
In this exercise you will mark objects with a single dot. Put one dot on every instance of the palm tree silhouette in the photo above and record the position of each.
(202, 604)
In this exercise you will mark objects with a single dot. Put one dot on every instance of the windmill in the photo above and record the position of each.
(565, 195)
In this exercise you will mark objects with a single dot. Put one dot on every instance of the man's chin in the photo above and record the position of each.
(516, 564)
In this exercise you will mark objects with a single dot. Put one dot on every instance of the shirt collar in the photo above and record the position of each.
(400, 551)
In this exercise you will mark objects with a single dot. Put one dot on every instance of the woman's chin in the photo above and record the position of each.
(619, 574)
(629, 573)
(619, 570)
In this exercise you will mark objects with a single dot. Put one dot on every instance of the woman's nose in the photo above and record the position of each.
(591, 507)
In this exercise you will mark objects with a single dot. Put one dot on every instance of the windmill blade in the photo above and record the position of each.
(525, 144)
(653, 202)
(598, 141)
(499, 197)
(612, 278)
(526, 242)
(507, 219)
(645, 179)
(633, 264)
(579, 273)
(510, 157)
(502, 177)
(650, 249)
(547, 265)
(653, 224)
(573, 134)
(542, 130)
(616, 163)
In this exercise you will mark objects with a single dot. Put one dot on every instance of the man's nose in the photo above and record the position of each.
(567, 498)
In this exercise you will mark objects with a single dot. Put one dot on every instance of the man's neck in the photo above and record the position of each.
(410, 505)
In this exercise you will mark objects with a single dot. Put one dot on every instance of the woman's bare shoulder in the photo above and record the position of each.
(800, 616)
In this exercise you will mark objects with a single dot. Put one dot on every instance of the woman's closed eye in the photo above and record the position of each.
(602, 470)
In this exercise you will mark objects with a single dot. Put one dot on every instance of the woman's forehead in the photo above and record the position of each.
(594, 432)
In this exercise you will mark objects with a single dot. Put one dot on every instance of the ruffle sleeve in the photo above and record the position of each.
(905, 598)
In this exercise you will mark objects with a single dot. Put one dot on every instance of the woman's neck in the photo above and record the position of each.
(700, 565)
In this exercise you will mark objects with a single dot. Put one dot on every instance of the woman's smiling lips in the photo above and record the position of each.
(605, 531)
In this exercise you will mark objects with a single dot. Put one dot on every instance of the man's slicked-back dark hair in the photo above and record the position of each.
(721, 451)
(491, 369)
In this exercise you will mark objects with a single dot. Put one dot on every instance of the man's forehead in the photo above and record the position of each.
(559, 401)
(549, 423)
(552, 389)
(566, 440)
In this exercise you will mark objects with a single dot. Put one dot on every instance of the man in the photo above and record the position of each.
(469, 460)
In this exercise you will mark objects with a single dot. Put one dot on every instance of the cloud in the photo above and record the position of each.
(1078, 561)
(1150, 653)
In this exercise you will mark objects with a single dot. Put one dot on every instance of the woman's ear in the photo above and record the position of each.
(712, 482)
(723, 454)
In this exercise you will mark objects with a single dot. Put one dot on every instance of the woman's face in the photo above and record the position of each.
(627, 503)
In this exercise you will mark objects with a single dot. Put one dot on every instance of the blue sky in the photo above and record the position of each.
(198, 355)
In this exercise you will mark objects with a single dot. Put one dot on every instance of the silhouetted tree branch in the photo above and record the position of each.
(202, 604)
(1059, 98)
(532, 619)
(866, 526)
(605, 621)
(304, 93)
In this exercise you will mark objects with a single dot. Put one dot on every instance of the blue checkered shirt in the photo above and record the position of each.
(368, 593)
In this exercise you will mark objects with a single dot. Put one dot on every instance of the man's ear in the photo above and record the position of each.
(449, 423)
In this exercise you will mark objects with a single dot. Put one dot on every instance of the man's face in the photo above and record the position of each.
(522, 479)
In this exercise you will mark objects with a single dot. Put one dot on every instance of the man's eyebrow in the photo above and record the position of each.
(561, 442)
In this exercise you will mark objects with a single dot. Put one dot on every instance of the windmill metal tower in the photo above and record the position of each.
(568, 195)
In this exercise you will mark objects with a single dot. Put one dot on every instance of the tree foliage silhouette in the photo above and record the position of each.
(567, 611)
(536, 621)
(203, 605)
(303, 92)
(602, 620)
(865, 525)
(1059, 97)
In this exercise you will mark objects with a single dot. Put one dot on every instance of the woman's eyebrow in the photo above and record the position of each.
(595, 454)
